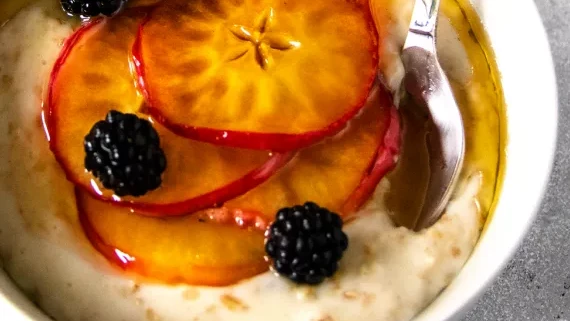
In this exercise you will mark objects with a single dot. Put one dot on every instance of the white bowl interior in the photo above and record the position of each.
(524, 59)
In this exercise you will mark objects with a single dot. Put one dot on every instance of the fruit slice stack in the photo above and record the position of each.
(234, 89)
(92, 77)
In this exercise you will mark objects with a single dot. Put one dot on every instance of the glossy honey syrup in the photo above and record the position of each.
(467, 59)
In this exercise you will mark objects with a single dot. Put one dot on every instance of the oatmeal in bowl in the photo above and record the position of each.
(235, 159)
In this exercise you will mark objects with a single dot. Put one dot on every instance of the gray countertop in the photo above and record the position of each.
(536, 283)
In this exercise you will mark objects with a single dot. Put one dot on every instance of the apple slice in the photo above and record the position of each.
(340, 173)
(192, 249)
(272, 74)
(91, 77)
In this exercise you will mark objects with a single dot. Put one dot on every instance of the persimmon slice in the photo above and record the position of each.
(385, 162)
(340, 173)
(269, 74)
(192, 249)
(91, 77)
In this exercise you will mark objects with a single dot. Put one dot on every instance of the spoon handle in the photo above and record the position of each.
(424, 18)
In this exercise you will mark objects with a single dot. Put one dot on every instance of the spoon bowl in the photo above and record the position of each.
(430, 90)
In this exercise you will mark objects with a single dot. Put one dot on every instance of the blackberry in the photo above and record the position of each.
(306, 243)
(123, 152)
(91, 8)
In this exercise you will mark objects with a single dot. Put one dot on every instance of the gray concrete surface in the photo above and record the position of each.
(536, 283)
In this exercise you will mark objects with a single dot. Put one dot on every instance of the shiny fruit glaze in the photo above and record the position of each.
(332, 173)
(196, 249)
(93, 76)
(276, 75)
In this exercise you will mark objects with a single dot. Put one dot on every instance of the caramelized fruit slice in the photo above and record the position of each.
(141, 3)
(191, 250)
(268, 74)
(92, 77)
(384, 163)
(339, 174)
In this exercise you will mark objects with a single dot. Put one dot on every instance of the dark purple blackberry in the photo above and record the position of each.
(306, 243)
(91, 8)
(123, 152)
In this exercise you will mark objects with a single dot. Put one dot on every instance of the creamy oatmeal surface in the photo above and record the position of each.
(388, 273)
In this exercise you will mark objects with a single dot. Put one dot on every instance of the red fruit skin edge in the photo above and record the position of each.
(116, 256)
(204, 201)
(277, 142)
(68, 45)
(127, 262)
(384, 162)
(214, 198)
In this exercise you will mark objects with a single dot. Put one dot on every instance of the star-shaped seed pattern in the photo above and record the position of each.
(263, 39)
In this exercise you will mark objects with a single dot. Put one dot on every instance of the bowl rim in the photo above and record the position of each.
(457, 299)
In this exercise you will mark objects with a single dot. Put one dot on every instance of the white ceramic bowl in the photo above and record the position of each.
(523, 56)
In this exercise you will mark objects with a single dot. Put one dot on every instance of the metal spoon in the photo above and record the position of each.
(429, 87)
